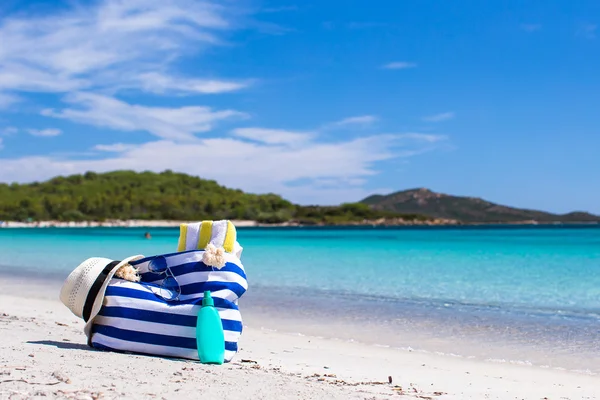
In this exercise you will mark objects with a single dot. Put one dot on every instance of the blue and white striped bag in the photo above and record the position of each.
(136, 318)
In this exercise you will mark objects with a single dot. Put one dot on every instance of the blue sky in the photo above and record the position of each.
(322, 102)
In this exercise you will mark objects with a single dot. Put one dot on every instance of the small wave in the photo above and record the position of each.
(425, 303)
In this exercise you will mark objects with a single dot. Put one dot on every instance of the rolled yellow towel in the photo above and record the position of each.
(214, 237)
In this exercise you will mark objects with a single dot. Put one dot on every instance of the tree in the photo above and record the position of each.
(168, 195)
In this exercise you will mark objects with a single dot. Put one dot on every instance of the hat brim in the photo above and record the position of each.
(99, 301)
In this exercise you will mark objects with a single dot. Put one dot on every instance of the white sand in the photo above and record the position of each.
(43, 353)
(130, 223)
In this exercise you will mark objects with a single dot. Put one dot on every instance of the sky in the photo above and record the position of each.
(322, 102)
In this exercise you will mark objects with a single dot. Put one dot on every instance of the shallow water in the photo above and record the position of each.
(526, 294)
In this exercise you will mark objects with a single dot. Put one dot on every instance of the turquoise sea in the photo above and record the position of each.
(522, 294)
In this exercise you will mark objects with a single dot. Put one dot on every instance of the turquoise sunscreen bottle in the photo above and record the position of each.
(210, 339)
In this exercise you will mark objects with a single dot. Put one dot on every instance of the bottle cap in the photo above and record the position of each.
(207, 299)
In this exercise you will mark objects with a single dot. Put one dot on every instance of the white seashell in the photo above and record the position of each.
(128, 272)
(214, 256)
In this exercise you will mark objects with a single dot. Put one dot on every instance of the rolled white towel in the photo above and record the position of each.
(215, 237)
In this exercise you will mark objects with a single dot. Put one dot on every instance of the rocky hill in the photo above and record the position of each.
(465, 209)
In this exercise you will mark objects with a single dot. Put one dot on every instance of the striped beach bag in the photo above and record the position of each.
(150, 317)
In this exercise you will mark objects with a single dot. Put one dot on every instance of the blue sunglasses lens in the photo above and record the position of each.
(157, 265)
(170, 283)
(170, 289)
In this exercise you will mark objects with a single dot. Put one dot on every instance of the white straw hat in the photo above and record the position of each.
(83, 290)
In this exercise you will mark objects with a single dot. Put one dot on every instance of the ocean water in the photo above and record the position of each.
(506, 294)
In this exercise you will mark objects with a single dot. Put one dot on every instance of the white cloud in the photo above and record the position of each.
(399, 65)
(280, 9)
(49, 132)
(272, 136)
(9, 130)
(359, 120)
(110, 44)
(531, 27)
(169, 123)
(7, 100)
(21, 77)
(445, 116)
(334, 195)
(255, 167)
(91, 54)
(158, 83)
(421, 137)
(116, 147)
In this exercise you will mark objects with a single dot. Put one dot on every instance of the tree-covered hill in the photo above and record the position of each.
(163, 196)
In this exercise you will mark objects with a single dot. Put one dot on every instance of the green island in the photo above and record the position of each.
(128, 195)
(171, 196)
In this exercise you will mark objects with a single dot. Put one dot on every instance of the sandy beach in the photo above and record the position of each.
(139, 223)
(44, 354)
(130, 223)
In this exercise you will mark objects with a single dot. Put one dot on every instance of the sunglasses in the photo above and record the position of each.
(169, 289)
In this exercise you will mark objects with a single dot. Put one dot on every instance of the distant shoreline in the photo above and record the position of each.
(133, 223)
(136, 223)
(251, 224)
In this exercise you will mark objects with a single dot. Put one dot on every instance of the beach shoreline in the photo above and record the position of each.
(471, 333)
(396, 222)
(134, 223)
(41, 337)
